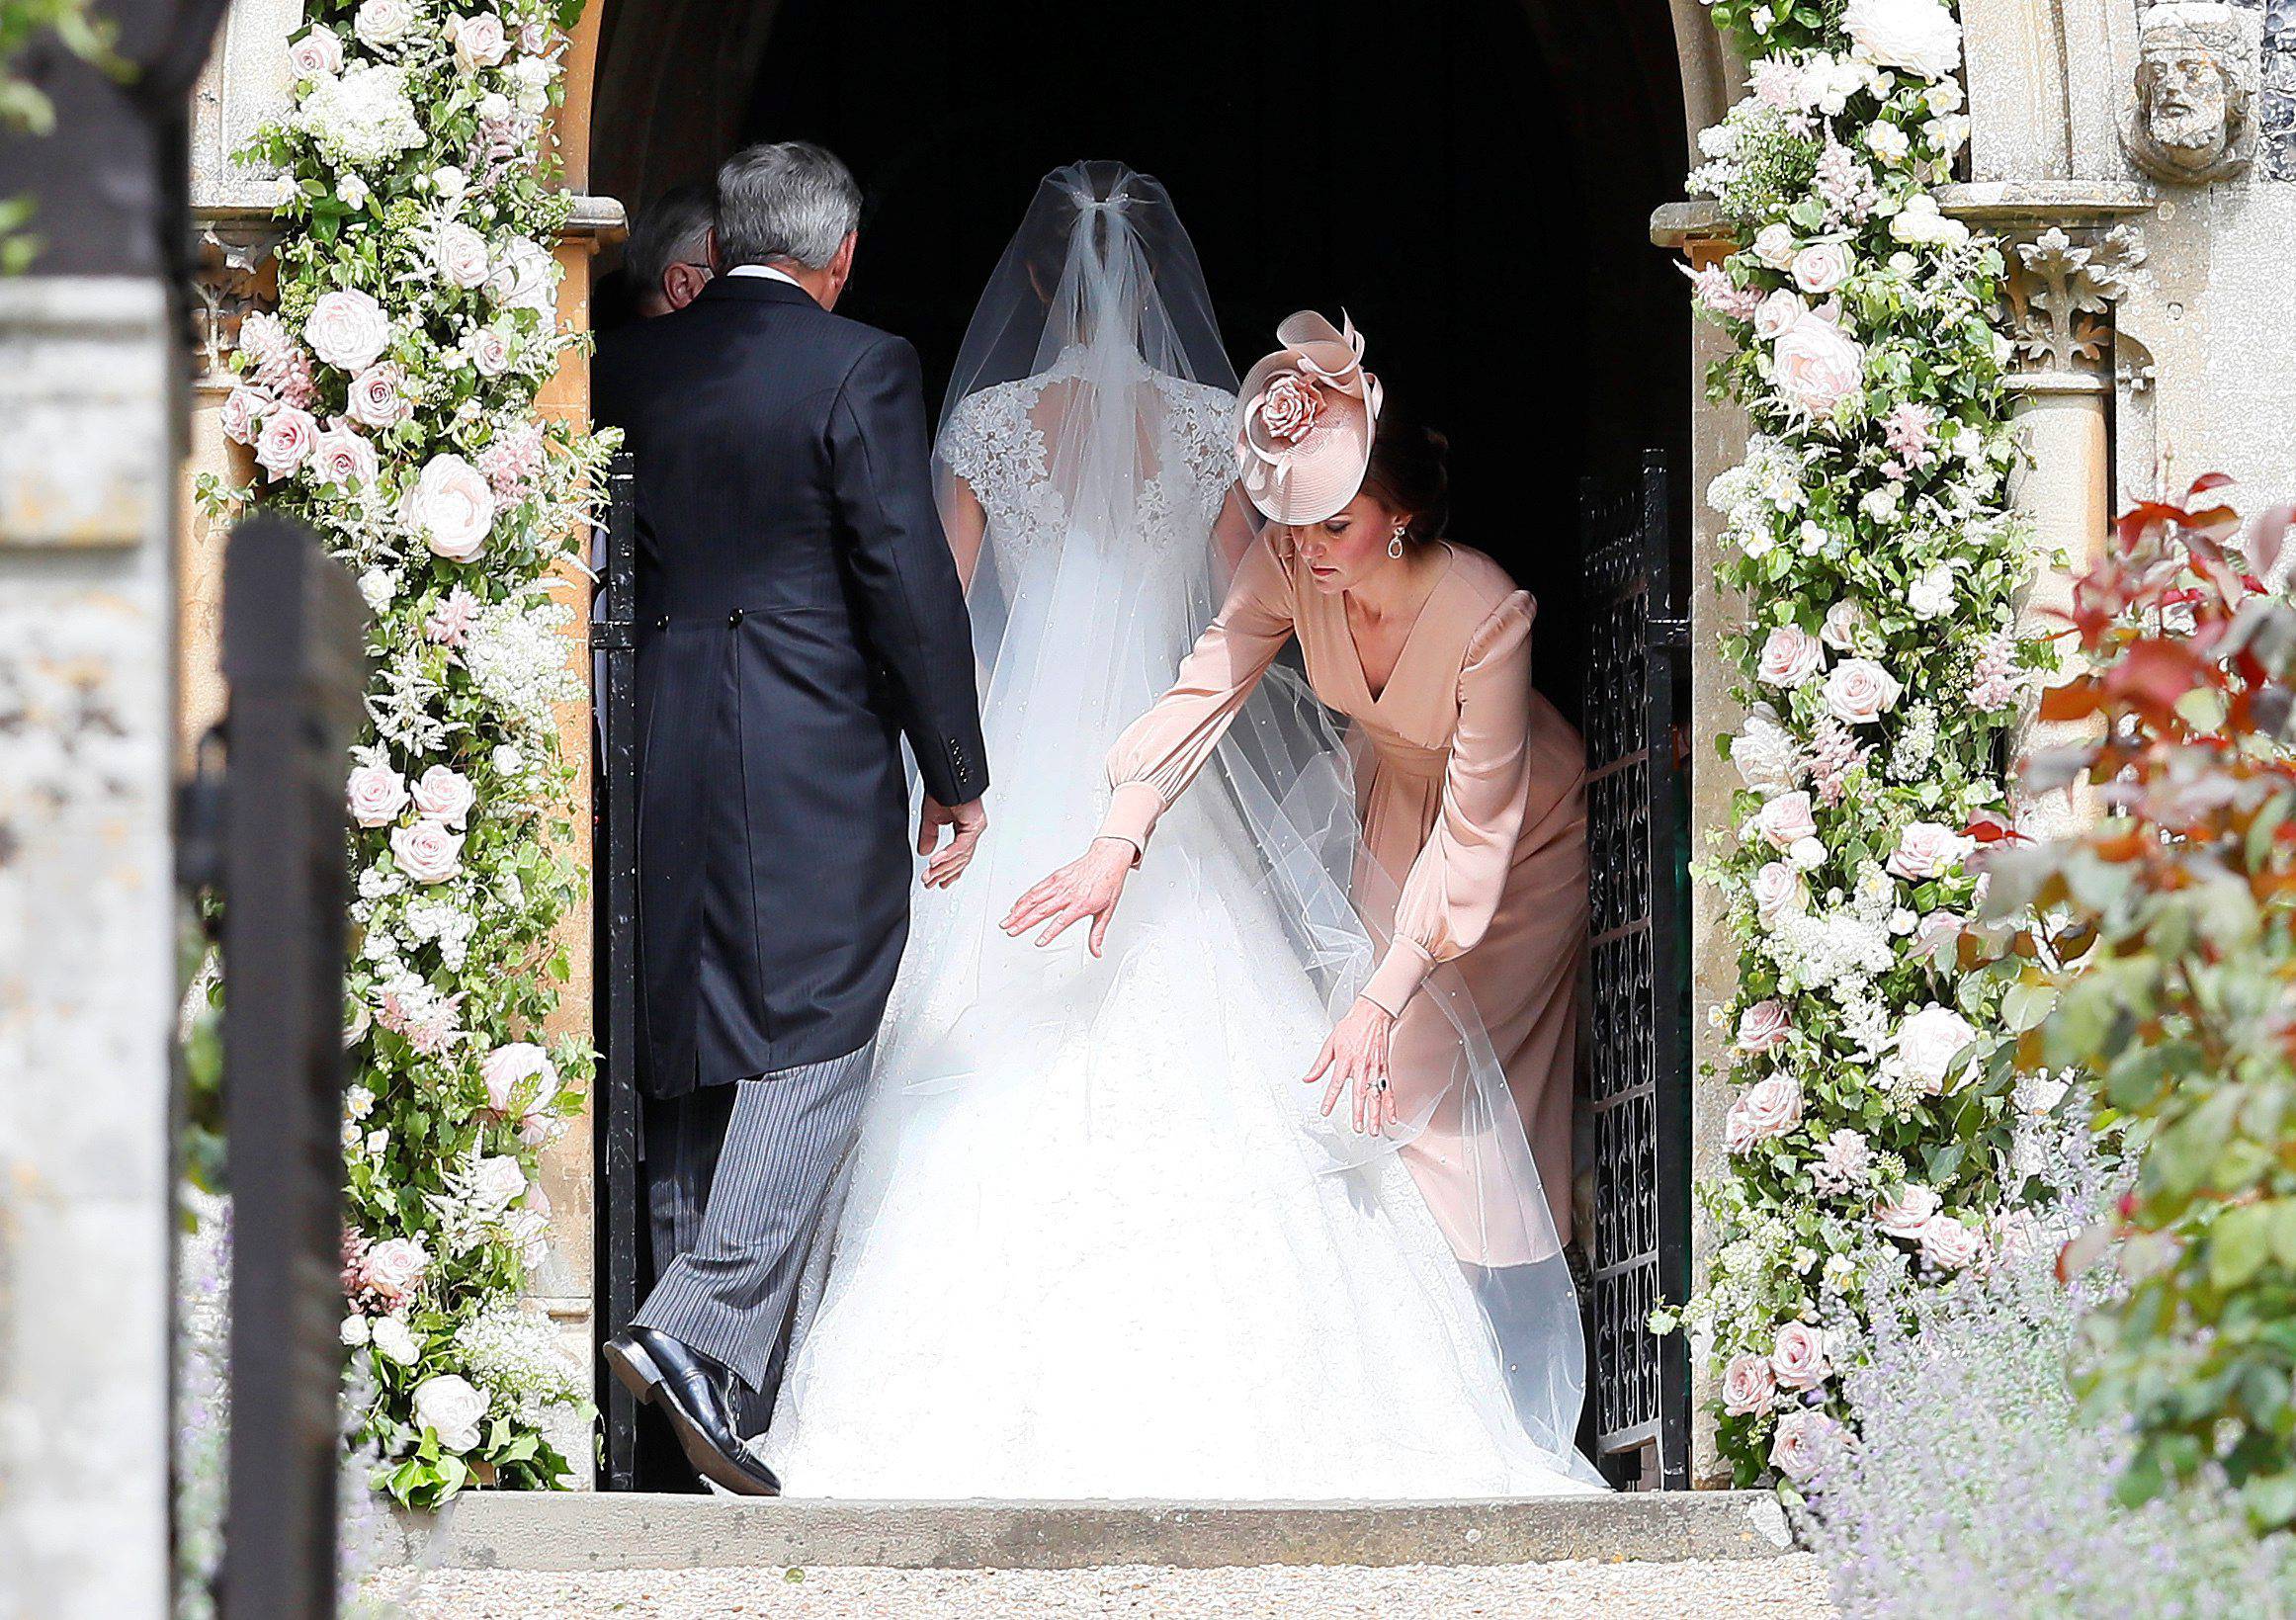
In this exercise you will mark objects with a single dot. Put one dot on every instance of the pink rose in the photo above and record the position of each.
(1785, 821)
(1859, 691)
(1779, 891)
(1821, 267)
(1799, 1356)
(1790, 656)
(1929, 1041)
(241, 416)
(478, 40)
(344, 458)
(1903, 1213)
(1801, 1441)
(1936, 930)
(520, 1080)
(1764, 1027)
(1778, 314)
(445, 796)
(452, 506)
(1747, 1386)
(1951, 1245)
(525, 277)
(1817, 367)
(1773, 244)
(377, 795)
(286, 441)
(317, 54)
(533, 37)
(378, 397)
(1288, 408)
(1770, 1108)
(1845, 627)
(488, 349)
(393, 1268)
(347, 329)
(1926, 850)
(458, 254)
(428, 852)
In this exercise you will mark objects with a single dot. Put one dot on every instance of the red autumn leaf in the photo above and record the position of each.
(2077, 699)
(2207, 481)
(2155, 673)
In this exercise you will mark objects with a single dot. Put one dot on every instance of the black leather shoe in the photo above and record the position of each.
(692, 1391)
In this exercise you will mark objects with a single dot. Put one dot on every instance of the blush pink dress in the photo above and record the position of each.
(1472, 790)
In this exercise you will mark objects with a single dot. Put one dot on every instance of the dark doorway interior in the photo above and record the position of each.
(1469, 180)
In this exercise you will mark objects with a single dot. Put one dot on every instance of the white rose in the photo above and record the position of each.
(458, 254)
(1817, 367)
(317, 53)
(453, 505)
(1779, 891)
(380, 24)
(525, 277)
(345, 460)
(447, 1405)
(519, 1079)
(1807, 854)
(1844, 628)
(378, 397)
(427, 852)
(377, 795)
(394, 1339)
(287, 438)
(1951, 1245)
(1859, 691)
(1785, 821)
(1880, 505)
(478, 40)
(1917, 35)
(1790, 656)
(1770, 1107)
(533, 77)
(1774, 245)
(488, 349)
(495, 1182)
(1764, 1026)
(1764, 755)
(1928, 850)
(1931, 595)
(507, 760)
(354, 1332)
(1903, 1213)
(348, 329)
(1799, 1356)
(1778, 314)
(1920, 221)
(1929, 1041)
(1821, 267)
(376, 588)
(1747, 1386)
(448, 180)
(446, 795)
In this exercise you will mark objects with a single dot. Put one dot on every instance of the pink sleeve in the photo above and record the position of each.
(1161, 753)
(1455, 884)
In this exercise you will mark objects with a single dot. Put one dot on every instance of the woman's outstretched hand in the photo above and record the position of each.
(1087, 887)
(1354, 1056)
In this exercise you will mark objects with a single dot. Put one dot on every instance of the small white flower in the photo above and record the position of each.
(377, 588)
(354, 1332)
(396, 1340)
(1931, 595)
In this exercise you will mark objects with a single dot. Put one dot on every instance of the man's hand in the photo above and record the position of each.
(966, 824)
(1087, 887)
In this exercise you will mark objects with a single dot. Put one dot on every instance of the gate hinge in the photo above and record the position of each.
(1668, 633)
(613, 634)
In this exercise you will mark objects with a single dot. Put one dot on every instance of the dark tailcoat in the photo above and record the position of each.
(799, 614)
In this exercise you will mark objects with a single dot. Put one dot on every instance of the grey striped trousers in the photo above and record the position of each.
(729, 1295)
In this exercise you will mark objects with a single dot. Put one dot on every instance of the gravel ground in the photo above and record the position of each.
(1783, 1589)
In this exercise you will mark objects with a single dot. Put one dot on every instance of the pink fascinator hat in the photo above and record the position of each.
(1303, 440)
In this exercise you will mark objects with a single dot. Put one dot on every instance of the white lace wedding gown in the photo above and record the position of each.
(1095, 1243)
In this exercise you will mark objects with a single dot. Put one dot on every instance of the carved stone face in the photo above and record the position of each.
(2187, 97)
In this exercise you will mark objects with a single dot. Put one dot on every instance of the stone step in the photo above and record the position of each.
(638, 1531)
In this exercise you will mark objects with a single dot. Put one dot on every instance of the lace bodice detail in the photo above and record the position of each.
(995, 442)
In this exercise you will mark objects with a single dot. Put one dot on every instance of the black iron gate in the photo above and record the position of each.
(1638, 1085)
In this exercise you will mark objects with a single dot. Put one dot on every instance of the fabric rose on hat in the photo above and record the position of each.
(1789, 657)
(1288, 409)
(452, 506)
(427, 852)
(347, 329)
(1747, 1386)
(449, 1408)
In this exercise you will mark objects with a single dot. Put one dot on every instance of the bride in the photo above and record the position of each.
(1098, 1240)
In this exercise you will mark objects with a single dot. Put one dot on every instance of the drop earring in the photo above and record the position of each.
(1395, 542)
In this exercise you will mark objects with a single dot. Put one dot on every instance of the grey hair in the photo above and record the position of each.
(673, 229)
(791, 201)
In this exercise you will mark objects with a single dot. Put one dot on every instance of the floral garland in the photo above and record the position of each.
(1870, 1141)
(389, 404)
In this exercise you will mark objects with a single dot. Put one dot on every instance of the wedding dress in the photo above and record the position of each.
(1097, 1241)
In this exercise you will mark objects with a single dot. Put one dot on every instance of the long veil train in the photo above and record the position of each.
(1098, 1239)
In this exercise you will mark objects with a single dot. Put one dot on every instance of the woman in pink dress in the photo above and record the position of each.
(1469, 785)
